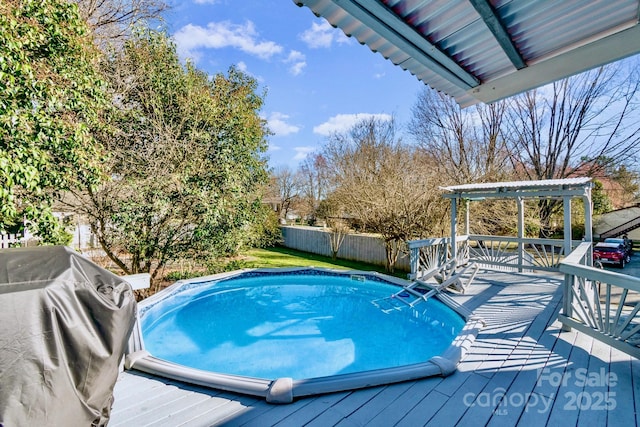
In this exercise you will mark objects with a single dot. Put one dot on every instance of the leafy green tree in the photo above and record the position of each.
(629, 180)
(601, 202)
(51, 97)
(186, 160)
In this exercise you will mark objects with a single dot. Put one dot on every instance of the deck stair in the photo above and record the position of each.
(622, 229)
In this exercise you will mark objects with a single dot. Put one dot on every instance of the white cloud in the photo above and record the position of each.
(217, 35)
(205, 1)
(302, 152)
(279, 126)
(273, 147)
(297, 68)
(297, 61)
(378, 75)
(344, 122)
(322, 35)
(295, 55)
(242, 66)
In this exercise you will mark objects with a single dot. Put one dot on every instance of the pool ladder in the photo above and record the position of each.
(417, 295)
(399, 299)
(444, 276)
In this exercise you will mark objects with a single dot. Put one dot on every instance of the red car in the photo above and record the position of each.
(611, 253)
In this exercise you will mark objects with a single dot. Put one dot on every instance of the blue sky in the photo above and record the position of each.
(317, 80)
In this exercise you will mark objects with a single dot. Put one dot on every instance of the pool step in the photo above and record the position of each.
(388, 304)
(415, 293)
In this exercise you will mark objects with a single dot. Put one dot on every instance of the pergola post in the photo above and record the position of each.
(588, 226)
(566, 205)
(454, 226)
(466, 217)
(520, 202)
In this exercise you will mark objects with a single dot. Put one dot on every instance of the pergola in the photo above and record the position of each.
(565, 189)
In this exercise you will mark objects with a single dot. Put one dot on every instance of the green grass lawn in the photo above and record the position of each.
(285, 257)
(271, 258)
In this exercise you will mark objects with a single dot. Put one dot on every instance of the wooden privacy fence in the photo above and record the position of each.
(9, 240)
(356, 247)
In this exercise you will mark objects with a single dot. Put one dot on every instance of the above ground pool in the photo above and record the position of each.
(282, 334)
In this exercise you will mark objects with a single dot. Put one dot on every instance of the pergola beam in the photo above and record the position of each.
(513, 194)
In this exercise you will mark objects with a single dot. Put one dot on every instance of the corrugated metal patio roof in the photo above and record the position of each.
(483, 51)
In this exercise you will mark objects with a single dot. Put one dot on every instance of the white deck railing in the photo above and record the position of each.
(492, 252)
(428, 255)
(600, 303)
(518, 254)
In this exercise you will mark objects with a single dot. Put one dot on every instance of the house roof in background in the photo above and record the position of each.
(484, 51)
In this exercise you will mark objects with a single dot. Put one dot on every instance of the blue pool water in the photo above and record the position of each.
(298, 326)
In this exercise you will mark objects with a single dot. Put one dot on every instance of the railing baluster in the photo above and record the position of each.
(579, 306)
(625, 336)
(598, 304)
(616, 319)
(607, 312)
(627, 321)
(591, 313)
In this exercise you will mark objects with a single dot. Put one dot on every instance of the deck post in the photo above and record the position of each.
(566, 206)
(414, 262)
(520, 202)
(588, 226)
(566, 300)
(466, 217)
(454, 223)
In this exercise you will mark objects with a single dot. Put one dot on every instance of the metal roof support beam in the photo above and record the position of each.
(499, 31)
(603, 51)
(387, 24)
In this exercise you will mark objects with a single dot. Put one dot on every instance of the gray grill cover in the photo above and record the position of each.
(64, 323)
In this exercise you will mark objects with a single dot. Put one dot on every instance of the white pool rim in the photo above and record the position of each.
(285, 390)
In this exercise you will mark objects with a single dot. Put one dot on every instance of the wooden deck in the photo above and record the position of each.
(521, 370)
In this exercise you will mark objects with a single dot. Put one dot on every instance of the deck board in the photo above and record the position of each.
(504, 380)
(452, 410)
(425, 410)
(569, 391)
(387, 397)
(317, 406)
(599, 360)
(345, 407)
(635, 368)
(624, 412)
